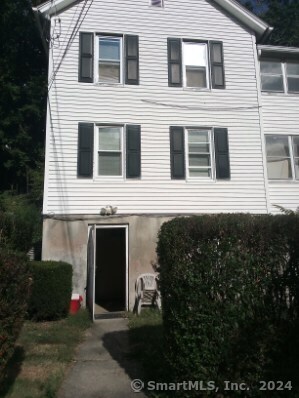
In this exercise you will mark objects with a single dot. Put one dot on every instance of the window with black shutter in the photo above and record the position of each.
(195, 64)
(85, 150)
(86, 51)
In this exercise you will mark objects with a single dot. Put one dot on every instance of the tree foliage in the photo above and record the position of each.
(23, 80)
(283, 15)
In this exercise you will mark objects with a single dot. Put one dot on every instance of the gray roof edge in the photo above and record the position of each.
(277, 49)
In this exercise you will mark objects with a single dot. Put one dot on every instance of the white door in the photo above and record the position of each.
(91, 271)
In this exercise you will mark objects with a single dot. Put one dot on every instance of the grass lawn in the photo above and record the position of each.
(43, 354)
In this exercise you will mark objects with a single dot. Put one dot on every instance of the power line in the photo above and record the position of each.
(200, 108)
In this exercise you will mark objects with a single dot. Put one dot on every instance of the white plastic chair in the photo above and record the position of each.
(147, 292)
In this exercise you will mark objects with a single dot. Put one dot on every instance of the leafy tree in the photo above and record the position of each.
(283, 15)
(23, 80)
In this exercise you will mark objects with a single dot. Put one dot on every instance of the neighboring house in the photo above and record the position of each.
(156, 108)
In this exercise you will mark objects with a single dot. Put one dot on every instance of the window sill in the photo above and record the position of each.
(206, 90)
(271, 181)
(109, 84)
(276, 93)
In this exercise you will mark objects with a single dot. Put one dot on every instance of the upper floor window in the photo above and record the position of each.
(110, 59)
(195, 64)
(157, 3)
(110, 151)
(117, 151)
(199, 153)
(282, 157)
(280, 77)
(195, 60)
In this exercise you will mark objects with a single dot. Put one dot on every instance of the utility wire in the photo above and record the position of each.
(200, 108)
(72, 36)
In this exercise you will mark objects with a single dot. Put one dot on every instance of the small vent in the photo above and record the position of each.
(157, 3)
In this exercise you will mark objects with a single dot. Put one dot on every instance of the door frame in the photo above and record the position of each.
(112, 226)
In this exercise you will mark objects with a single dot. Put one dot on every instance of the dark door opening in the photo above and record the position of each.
(110, 272)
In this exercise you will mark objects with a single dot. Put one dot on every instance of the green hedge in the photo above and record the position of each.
(230, 296)
(15, 284)
(51, 290)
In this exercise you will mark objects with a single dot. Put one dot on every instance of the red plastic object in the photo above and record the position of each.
(75, 303)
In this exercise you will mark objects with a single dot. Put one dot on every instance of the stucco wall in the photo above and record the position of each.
(65, 239)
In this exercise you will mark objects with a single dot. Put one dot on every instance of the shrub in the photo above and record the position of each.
(20, 222)
(14, 292)
(230, 294)
(51, 290)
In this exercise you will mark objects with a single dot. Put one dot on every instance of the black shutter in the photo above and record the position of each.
(174, 49)
(85, 150)
(177, 152)
(86, 57)
(133, 154)
(221, 153)
(217, 64)
(132, 59)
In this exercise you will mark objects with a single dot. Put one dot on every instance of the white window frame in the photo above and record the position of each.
(208, 74)
(122, 151)
(283, 65)
(291, 157)
(97, 58)
(212, 154)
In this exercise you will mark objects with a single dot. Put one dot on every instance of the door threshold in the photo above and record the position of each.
(110, 315)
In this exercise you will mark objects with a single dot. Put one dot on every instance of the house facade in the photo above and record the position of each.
(158, 109)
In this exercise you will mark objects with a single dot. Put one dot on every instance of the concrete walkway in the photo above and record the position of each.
(103, 368)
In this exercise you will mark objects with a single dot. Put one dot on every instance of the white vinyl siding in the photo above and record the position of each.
(155, 106)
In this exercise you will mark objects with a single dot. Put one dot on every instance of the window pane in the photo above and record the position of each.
(199, 160)
(277, 146)
(271, 67)
(109, 49)
(200, 172)
(293, 84)
(279, 168)
(109, 164)
(202, 148)
(109, 72)
(198, 136)
(296, 146)
(195, 54)
(272, 83)
(196, 77)
(109, 139)
(292, 69)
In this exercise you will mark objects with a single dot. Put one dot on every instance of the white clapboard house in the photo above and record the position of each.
(159, 108)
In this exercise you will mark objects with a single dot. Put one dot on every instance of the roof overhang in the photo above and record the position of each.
(281, 52)
(260, 28)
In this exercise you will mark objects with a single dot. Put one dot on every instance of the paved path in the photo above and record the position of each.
(102, 367)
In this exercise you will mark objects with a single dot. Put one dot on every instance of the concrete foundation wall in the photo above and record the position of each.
(65, 239)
